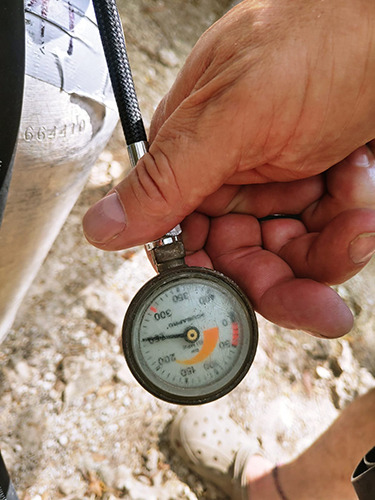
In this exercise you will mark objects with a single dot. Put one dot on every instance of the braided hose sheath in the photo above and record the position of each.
(7, 491)
(113, 40)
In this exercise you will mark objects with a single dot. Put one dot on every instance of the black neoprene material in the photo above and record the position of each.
(113, 40)
(12, 69)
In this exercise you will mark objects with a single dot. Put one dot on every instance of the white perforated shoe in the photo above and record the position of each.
(214, 446)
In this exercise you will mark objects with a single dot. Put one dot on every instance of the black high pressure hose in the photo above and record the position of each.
(112, 35)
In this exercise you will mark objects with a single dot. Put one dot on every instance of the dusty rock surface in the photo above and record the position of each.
(74, 424)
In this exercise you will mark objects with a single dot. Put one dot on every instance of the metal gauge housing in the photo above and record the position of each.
(190, 335)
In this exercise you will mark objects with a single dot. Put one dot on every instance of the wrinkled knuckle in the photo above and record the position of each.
(154, 186)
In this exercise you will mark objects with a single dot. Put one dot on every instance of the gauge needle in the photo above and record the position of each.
(210, 338)
(161, 336)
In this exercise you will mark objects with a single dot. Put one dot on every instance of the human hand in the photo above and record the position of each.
(271, 97)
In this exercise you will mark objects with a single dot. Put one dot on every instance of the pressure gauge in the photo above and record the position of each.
(190, 335)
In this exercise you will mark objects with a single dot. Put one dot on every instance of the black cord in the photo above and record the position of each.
(113, 40)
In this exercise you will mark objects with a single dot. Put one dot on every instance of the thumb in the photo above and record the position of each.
(167, 184)
(192, 154)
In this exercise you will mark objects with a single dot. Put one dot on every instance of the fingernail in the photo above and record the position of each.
(362, 248)
(361, 157)
(105, 220)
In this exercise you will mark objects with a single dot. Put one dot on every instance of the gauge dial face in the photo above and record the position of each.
(190, 336)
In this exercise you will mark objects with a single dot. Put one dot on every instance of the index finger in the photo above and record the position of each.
(234, 246)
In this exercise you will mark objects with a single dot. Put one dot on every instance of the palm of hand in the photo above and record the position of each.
(286, 265)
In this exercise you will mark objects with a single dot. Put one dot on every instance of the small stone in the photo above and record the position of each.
(124, 375)
(323, 373)
(106, 156)
(101, 320)
(32, 426)
(152, 460)
(168, 58)
(73, 486)
(82, 377)
(63, 440)
(23, 370)
(346, 359)
(116, 170)
(120, 477)
(104, 307)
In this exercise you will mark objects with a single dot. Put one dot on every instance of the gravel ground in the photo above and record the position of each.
(74, 422)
